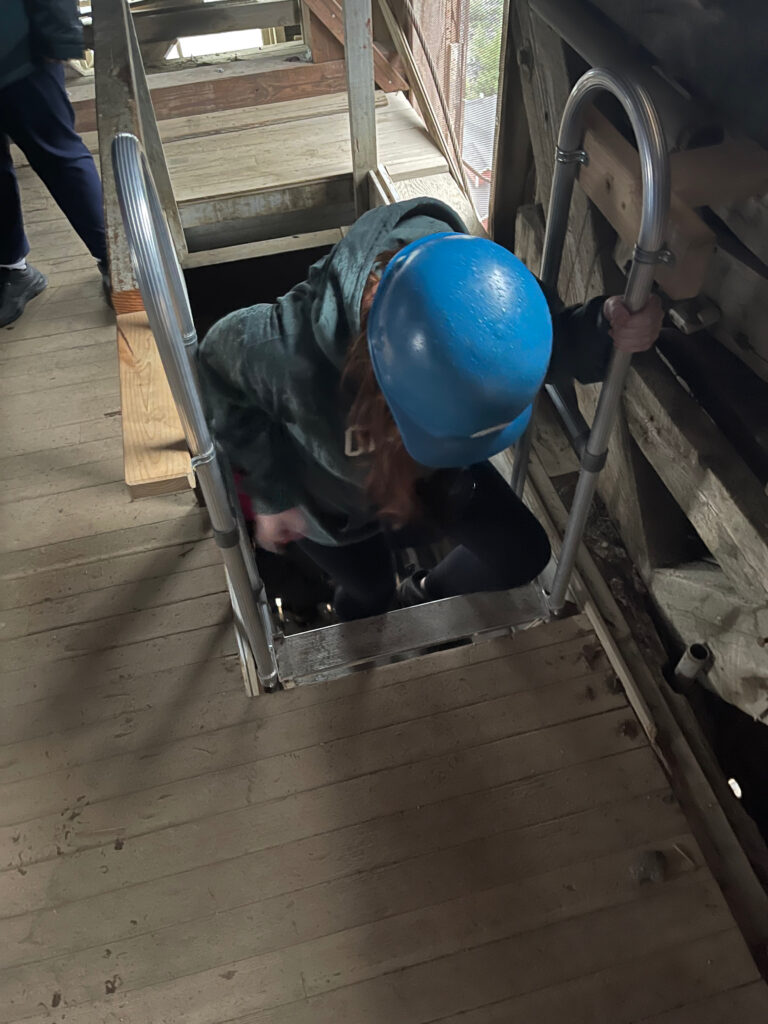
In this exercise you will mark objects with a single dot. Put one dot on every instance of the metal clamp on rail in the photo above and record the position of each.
(649, 252)
(571, 156)
(664, 256)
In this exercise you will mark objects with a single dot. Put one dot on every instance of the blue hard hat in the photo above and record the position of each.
(460, 337)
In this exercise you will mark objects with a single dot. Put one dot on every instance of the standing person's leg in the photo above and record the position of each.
(501, 543)
(363, 573)
(13, 242)
(36, 113)
(18, 282)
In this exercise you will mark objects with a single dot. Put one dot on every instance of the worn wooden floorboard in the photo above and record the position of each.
(482, 836)
(292, 151)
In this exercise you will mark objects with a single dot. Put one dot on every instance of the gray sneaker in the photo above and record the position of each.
(17, 287)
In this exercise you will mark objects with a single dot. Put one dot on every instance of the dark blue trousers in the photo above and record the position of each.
(36, 114)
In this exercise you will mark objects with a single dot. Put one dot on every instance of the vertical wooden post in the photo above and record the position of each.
(358, 47)
(123, 104)
(116, 111)
(513, 158)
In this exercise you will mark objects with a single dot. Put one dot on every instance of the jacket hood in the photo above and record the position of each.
(334, 289)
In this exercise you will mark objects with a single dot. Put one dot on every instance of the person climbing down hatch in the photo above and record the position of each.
(362, 407)
(35, 113)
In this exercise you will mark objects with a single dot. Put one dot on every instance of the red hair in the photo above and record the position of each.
(393, 474)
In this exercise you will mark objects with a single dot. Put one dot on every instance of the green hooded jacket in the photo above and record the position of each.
(271, 376)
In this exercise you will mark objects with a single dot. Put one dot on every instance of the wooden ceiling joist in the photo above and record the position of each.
(161, 22)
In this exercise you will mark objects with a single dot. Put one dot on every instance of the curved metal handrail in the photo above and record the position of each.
(654, 163)
(164, 293)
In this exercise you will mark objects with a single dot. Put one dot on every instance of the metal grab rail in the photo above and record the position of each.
(164, 292)
(654, 163)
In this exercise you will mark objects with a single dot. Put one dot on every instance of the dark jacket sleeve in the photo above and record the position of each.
(55, 29)
(581, 344)
(242, 419)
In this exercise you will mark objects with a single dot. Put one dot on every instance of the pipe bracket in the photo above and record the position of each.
(663, 256)
(204, 458)
(571, 156)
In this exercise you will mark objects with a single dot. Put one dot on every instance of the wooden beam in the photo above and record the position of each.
(612, 181)
(330, 13)
(720, 175)
(268, 213)
(155, 453)
(358, 52)
(513, 158)
(735, 397)
(418, 88)
(268, 247)
(237, 85)
(226, 16)
(322, 44)
(722, 498)
(117, 111)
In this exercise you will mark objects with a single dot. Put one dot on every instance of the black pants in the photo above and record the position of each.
(36, 114)
(500, 545)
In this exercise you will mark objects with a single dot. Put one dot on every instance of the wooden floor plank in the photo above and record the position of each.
(64, 339)
(187, 527)
(110, 605)
(117, 570)
(73, 708)
(438, 693)
(68, 708)
(64, 481)
(327, 864)
(747, 1004)
(649, 984)
(26, 375)
(16, 468)
(55, 334)
(355, 917)
(316, 755)
(299, 982)
(117, 666)
(312, 812)
(290, 152)
(66, 821)
(37, 439)
(46, 520)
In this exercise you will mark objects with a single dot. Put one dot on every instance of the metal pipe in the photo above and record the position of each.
(654, 163)
(602, 45)
(695, 660)
(567, 407)
(164, 293)
(522, 457)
